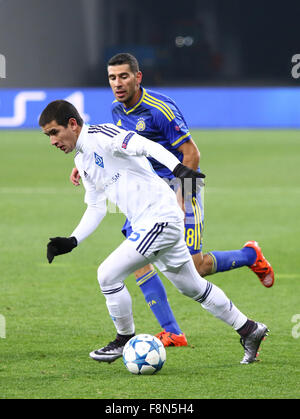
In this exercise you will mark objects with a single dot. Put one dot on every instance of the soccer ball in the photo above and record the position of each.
(144, 354)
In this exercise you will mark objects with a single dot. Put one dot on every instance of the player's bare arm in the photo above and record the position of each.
(191, 154)
(191, 158)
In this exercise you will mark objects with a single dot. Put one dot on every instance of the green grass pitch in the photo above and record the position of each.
(54, 315)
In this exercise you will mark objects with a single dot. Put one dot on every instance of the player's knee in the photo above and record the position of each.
(105, 278)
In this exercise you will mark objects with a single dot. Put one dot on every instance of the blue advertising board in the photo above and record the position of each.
(211, 107)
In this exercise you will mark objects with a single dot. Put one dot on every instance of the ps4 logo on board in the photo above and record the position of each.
(98, 160)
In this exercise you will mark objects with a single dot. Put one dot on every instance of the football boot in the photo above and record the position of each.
(112, 351)
(171, 339)
(261, 267)
(251, 343)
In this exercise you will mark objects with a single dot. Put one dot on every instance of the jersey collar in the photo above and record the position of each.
(128, 110)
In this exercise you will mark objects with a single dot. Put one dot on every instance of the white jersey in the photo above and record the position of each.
(113, 165)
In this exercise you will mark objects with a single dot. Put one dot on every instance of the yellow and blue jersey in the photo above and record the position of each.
(157, 118)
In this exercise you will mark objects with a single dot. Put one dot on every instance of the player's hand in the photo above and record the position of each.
(75, 177)
(191, 180)
(59, 246)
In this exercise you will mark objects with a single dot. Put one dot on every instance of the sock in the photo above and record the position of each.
(119, 306)
(232, 259)
(219, 305)
(212, 298)
(156, 297)
(247, 328)
(123, 339)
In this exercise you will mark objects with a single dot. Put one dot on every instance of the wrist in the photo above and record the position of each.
(177, 169)
(73, 240)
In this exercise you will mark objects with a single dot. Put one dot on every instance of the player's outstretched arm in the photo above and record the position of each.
(135, 144)
(191, 180)
(88, 223)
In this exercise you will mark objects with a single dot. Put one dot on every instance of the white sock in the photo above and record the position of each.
(219, 305)
(120, 309)
(212, 298)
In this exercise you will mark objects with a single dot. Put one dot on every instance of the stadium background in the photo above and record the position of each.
(233, 58)
(228, 64)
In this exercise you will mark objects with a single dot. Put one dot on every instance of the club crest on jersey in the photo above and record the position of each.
(98, 160)
(141, 125)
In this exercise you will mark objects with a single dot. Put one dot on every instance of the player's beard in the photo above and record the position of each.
(127, 100)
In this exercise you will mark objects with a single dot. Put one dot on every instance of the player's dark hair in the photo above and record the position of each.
(125, 58)
(60, 111)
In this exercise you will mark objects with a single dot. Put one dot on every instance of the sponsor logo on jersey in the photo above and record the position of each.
(113, 180)
(98, 160)
(126, 139)
(141, 125)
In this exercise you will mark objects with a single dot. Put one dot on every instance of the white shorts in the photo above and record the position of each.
(162, 244)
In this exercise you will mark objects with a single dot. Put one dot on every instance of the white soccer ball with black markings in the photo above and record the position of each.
(144, 354)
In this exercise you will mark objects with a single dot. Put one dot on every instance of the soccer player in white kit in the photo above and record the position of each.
(113, 165)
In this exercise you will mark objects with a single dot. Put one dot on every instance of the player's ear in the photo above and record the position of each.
(72, 123)
(139, 77)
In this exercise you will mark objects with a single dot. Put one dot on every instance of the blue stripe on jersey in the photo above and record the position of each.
(104, 129)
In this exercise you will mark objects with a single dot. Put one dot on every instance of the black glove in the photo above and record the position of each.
(183, 172)
(59, 246)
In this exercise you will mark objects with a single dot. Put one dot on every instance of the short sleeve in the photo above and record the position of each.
(173, 127)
